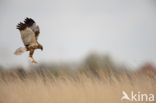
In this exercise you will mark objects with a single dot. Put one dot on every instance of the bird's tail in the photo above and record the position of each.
(20, 51)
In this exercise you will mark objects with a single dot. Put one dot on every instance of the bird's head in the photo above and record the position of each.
(40, 47)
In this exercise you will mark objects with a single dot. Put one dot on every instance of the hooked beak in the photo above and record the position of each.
(42, 48)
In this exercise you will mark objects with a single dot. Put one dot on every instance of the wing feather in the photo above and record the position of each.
(29, 32)
(35, 28)
(31, 23)
(21, 26)
(28, 37)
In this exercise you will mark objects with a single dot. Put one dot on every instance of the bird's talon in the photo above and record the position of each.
(33, 60)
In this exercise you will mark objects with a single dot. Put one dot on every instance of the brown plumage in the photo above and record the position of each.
(29, 34)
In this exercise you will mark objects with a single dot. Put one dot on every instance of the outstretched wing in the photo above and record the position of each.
(35, 28)
(21, 26)
(27, 35)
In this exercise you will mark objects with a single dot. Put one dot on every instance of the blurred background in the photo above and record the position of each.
(73, 29)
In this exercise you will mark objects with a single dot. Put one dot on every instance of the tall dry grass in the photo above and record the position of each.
(81, 88)
(96, 80)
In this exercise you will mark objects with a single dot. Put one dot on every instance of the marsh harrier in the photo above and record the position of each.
(29, 34)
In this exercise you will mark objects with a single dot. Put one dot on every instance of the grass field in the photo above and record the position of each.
(66, 89)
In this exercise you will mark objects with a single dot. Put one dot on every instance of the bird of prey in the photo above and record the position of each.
(29, 31)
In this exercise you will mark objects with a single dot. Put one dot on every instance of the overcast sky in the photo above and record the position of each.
(70, 29)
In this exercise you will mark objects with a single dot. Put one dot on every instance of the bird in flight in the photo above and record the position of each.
(29, 34)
